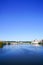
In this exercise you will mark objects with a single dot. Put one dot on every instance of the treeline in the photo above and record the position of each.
(26, 41)
(3, 43)
(40, 43)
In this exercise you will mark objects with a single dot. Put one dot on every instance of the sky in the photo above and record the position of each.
(21, 20)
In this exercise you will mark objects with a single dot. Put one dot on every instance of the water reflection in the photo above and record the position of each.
(22, 53)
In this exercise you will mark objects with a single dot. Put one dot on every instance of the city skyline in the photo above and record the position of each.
(21, 20)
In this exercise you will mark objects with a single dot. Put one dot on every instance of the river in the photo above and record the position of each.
(22, 54)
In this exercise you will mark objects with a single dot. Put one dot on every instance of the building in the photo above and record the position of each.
(35, 41)
(41, 41)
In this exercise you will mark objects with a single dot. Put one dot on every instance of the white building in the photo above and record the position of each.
(35, 41)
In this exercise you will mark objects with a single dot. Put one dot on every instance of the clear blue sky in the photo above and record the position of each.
(21, 19)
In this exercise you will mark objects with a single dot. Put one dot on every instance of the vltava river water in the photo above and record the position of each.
(24, 54)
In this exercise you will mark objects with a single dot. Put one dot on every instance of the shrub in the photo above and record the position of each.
(1, 44)
(41, 43)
